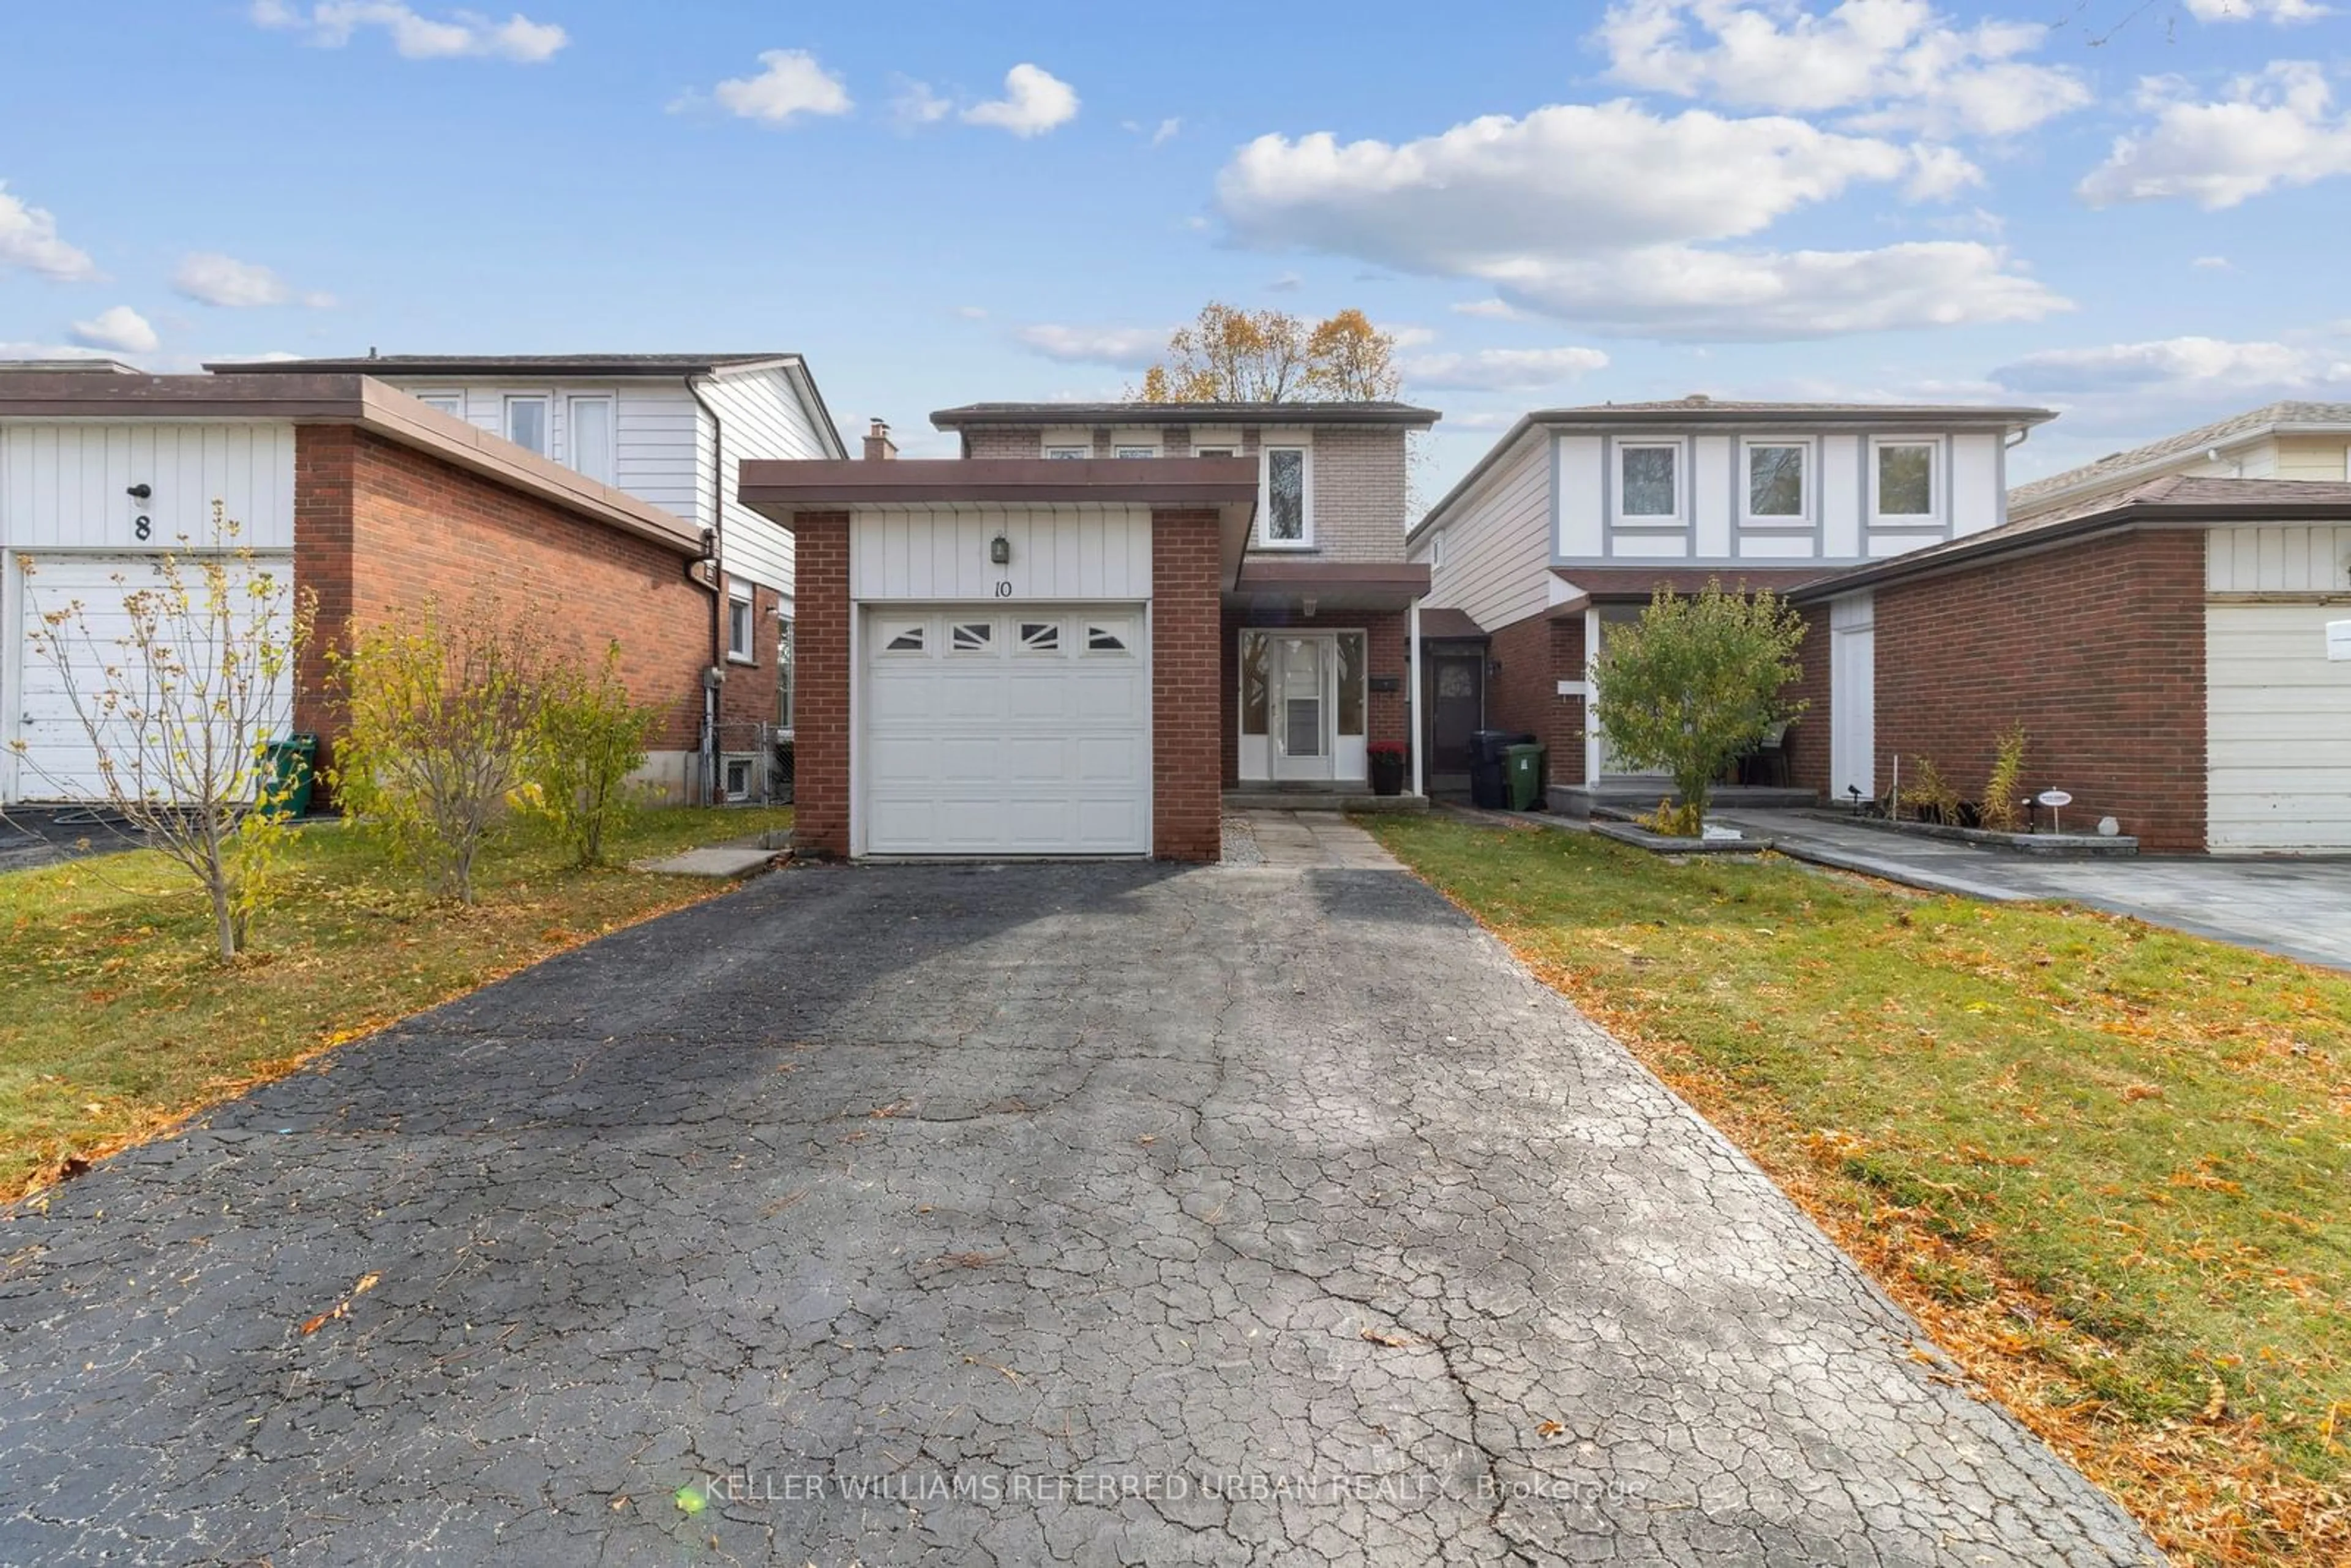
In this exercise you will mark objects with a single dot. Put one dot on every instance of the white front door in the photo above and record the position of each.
(1852, 712)
(1005, 730)
(1301, 716)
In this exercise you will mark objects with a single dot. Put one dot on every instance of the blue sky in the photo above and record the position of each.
(2135, 213)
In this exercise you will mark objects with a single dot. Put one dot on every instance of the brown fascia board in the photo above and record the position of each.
(1987, 547)
(353, 400)
(1262, 573)
(1630, 584)
(779, 486)
(1165, 413)
(665, 367)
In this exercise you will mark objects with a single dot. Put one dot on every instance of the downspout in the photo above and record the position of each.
(715, 671)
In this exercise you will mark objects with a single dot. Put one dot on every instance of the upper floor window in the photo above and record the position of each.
(1436, 547)
(1779, 481)
(526, 423)
(1135, 446)
(1649, 481)
(1287, 515)
(591, 436)
(1069, 452)
(1902, 476)
(446, 402)
(1215, 451)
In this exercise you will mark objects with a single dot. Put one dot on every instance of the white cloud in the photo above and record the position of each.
(1166, 131)
(1940, 174)
(791, 83)
(1287, 283)
(2212, 264)
(28, 239)
(1406, 337)
(2276, 126)
(1129, 347)
(1035, 101)
(1502, 370)
(1892, 63)
(1597, 213)
(915, 104)
(1491, 310)
(2248, 10)
(331, 24)
(120, 329)
(209, 278)
(2183, 367)
(972, 312)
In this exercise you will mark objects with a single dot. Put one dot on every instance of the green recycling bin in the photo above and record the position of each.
(1522, 771)
(292, 765)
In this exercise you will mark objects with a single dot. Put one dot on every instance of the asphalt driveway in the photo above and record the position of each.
(1045, 1214)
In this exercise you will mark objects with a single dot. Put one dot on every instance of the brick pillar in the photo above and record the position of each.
(820, 702)
(1185, 800)
(325, 464)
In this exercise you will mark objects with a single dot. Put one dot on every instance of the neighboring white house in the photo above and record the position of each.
(1578, 515)
(671, 429)
(2277, 441)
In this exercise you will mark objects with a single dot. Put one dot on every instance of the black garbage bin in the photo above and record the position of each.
(1490, 764)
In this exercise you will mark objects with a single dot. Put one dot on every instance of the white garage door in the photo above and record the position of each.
(58, 761)
(2278, 726)
(1006, 731)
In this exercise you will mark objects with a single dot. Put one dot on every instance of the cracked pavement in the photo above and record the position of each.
(1034, 1214)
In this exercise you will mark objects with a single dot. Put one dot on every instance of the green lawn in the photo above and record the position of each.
(2113, 1158)
(116, 1020)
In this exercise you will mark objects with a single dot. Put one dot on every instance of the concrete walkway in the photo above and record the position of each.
(2299, 908)
(1017, 1214)
(1294, 841)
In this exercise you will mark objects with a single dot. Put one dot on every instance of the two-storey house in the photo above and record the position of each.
(1074, 637)
(2276, 441)
(671, 430)
(1577, 516)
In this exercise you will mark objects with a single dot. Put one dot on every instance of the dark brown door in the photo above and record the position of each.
(1457, 685)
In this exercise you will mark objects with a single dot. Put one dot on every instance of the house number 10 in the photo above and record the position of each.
(1004, 588)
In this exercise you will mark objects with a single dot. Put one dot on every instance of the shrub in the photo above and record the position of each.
(186, 699)
(2003, 791)
(1696, 683)
(1682, 822)
(1928, 790)
(590, 738)
(443, 720)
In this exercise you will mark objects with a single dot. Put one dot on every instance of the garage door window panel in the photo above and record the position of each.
(972, 637)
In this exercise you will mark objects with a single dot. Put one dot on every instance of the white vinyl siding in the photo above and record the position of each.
(763, 418)
(2280, 559)
(1498, 542)
(65, 485)
(1067, 552)
(2277, 729)
(654, 431)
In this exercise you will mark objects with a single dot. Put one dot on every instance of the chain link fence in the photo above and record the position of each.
(753, 763)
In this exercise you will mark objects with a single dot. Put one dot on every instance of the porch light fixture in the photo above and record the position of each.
(1000, 550)
(1307, 605)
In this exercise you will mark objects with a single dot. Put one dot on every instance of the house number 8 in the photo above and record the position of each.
(143, 527)
(1003, 589)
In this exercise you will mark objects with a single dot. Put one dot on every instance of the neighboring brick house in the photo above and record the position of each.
(1071, 640)
(671, 430)
(2165, 648)
(371, 500)
(1575, 517)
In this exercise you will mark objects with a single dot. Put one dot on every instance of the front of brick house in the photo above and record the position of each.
(1074, 638)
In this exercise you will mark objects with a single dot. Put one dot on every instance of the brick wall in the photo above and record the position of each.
(1808, 738)
(820, 702)
(1536, 654)
(1359, 494)
(993, 441)
(380, 530)
(748, 698)
(2097, 649)
(1187, 805)
(1388, 651)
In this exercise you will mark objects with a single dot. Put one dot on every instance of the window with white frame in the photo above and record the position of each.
(1129, 445)
(1649, 481)
(1287, 515)
(1215, 451)
(591, 436)
(446, 402)
(1069, 452)
(1436, 547)
(1779, 480)
(740, 619)
(526, 423)
(1902, 480)
(784, 671)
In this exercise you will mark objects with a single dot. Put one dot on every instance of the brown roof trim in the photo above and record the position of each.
(1266, 573)
(359, 401)
(2017, 538)
(1445, 623)
(1946, 415)
(1621, 585)
(1040, 413)
(1006, 481)
(607, 366)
